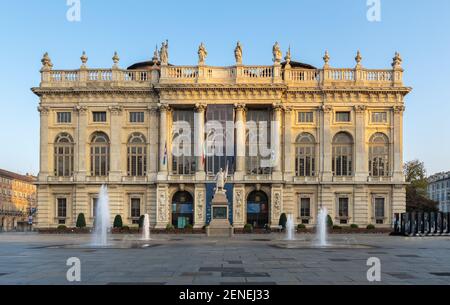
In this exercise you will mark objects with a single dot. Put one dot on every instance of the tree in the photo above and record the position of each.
(81, 221)
(118, 222)
(416, 191)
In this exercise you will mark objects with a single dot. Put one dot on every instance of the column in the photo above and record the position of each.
(44, 147)
(152, 159)
(116, 144)
(199, 141)
(361, 161)
(82, 138)
(325, 143)
(240, 141)
(163, 143)
(276, 141)
(289, 148)
(398, 143)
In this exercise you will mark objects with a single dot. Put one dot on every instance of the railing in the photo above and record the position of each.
(227, 75)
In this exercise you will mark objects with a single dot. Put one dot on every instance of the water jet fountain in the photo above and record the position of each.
(146, 228)
(102, 218)
(290, 228)
(322, 228)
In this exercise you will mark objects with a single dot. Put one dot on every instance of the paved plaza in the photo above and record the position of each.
(245, 259)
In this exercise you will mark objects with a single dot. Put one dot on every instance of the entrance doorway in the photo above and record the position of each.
(257, 209)
(182, 210)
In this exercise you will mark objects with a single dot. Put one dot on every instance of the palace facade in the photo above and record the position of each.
(334, 141)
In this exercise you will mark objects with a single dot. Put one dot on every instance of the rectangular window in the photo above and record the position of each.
(343, 116)
(343, 210)
(135, 208)
(305, 117)
(62, 207)
(379, 210)
(379, 117)
(305, 207)
(99, 116)
(137, 117)
(64, 117)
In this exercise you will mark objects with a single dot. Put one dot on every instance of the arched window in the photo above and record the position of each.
(182, 209)
(137, 155)
(64, 148)
(379, 155)
(257, 209)
(99, 154)
(342, 155)
(305, 161)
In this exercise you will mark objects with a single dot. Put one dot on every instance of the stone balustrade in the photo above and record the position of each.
(294, 77)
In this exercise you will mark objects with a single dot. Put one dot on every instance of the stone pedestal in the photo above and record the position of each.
(219, 225)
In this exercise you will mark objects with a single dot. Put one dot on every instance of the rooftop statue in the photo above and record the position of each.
(164, 53)
(202, 54)
(238, 53)
(277, 55)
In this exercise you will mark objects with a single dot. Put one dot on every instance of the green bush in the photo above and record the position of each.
(370, 227)
(329, 221)
(283, 220)
(301, 226)
(248, 228)
(336, 227)
(189, 227)
(354, 226)
(170, 227)
(141, 221)
(118, 222)
(81, 221)
(62, 228)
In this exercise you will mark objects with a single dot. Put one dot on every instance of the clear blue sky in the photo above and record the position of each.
(419, 30)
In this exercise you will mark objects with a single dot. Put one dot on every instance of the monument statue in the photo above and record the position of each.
(221, 179)
(238, 53)
(202, 54)
(277, 55)
(164, 53)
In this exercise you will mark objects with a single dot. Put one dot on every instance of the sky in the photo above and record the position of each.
(419, 30)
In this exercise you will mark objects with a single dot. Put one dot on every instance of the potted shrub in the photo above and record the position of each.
(189, 227)
(62, 228)
(354, 226)
(370, 227)
(329, 221)
(301, 227)
(336, 227)
(283, 220)
(81, 221)
(118, 224)
(170, 227)
(141, 221)
(248, 228)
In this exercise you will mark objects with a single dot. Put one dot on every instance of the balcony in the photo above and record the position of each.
(233, 75)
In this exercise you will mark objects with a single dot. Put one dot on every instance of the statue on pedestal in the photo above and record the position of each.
(221, 179)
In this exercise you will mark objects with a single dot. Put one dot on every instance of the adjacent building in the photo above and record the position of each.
(439, 190)
(297, 138)
(17, 201)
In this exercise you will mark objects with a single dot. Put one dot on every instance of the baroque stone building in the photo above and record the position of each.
(334, 141)
(17, 200)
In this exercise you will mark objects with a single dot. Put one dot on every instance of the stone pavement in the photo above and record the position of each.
(245, 259)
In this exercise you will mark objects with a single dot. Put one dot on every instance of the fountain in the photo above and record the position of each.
(290, 228)
(102, 218)
(322, 228)
(146, 228)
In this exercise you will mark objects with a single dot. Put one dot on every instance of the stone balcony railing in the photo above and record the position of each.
(166, 75)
